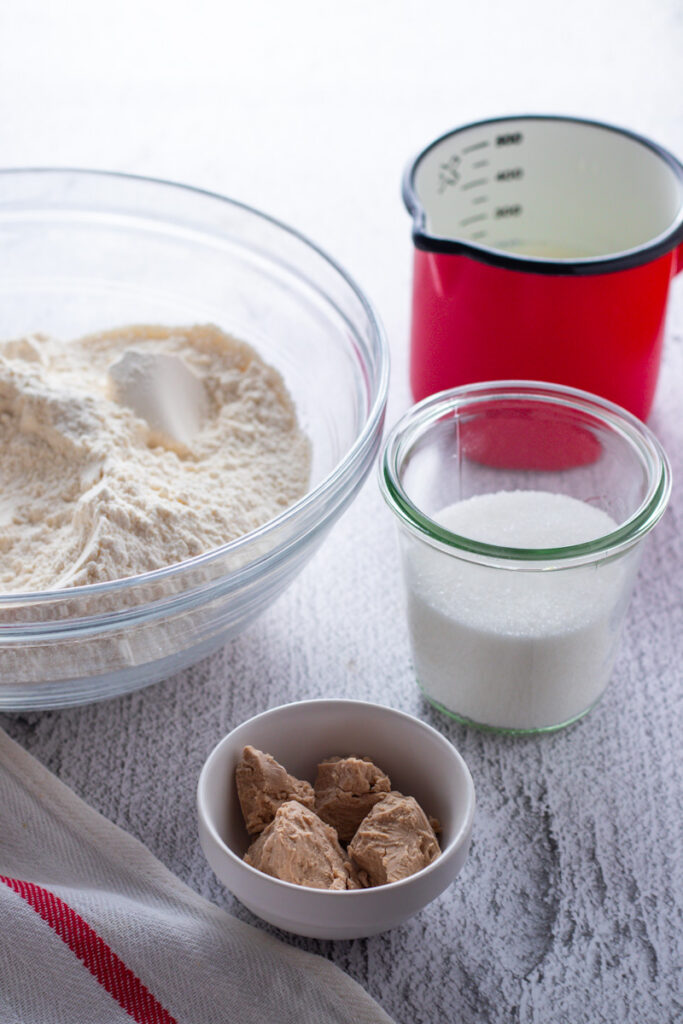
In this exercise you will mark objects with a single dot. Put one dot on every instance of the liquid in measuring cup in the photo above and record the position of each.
(547, 250)
(508, 648)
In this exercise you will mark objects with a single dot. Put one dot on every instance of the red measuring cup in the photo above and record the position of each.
(544, 250)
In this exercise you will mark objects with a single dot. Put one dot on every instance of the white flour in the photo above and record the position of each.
(514, 649)
(134, 449)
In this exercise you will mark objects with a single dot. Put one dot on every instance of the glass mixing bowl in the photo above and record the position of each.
(84, 251)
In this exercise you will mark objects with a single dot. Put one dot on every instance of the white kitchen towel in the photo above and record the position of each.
(94, 930)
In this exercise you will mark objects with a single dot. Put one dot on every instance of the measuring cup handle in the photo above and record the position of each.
(678, 259)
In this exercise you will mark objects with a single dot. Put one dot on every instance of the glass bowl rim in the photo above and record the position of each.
(420, 417)
(331, 485)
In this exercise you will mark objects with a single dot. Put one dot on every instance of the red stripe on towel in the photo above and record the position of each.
(111, 972)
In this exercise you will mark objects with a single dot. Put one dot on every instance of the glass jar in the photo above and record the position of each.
(522, 509)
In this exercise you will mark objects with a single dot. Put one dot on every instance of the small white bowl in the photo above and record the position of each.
(419, 761)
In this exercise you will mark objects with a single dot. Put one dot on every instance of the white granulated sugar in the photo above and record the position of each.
(134, 449)
(508, 648)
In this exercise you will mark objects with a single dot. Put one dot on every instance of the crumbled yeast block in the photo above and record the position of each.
(263, 785)
(346, 788)
(298, 847)
(298, 830)
(394, 840)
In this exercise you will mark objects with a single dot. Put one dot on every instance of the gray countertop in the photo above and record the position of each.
(569, 907)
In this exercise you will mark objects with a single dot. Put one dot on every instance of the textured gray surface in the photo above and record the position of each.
(570, 906)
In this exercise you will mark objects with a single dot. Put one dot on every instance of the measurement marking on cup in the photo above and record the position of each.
(479, 199)
(475, 146)
(475, 217)
(481, 163)
(508, 211)
(509, 139)
(477, 183)
(510, 174)
(448, 173)
(476, 235)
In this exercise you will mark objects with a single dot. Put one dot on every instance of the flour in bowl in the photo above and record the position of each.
(135, 449)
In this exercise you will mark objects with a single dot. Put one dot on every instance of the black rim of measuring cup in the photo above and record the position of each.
(658, 246)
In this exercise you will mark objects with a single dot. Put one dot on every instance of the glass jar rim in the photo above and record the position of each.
(420, 417)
